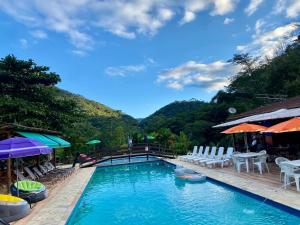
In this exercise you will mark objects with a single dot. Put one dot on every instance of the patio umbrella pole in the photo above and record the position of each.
(8, 174)
(17, 161)
(246, 142)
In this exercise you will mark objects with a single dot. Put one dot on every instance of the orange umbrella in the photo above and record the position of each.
(291, 125)
(244, 128)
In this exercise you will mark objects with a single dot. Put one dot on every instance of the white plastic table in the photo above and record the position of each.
(247, 156)
(293, 163)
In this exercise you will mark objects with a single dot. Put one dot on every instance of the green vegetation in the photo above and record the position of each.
(194, 119)
(28, 96)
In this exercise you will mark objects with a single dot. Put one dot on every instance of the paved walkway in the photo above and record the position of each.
(62, 199)
(266, 185)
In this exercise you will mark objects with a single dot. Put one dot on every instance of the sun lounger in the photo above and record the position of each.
(219, 156)
(211, 156)
(225, 159)
(198, 155)
(30, 173)
(20, 175)
(189, 154)
(203, 156)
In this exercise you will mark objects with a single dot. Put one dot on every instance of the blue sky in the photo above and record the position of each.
(139, 55)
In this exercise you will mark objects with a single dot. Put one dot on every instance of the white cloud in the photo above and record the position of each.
(123, 71)
(228, 20)
(259, 25)
(23, 43)
(39, 34)
(291, 8)
(211, 77)
(268, 43)
(253, 6)
(223, 7)
(78, 19)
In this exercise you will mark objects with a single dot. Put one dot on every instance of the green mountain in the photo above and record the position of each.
(28, 96)
(279, 76)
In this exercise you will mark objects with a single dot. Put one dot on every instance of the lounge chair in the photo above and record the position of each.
(211, 156)
(198, 155)
(219, 156)
(20, 175)
(189, 154)
(203, 156)
(225, 159)
(30, 173)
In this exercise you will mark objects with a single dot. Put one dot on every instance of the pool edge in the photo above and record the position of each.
(279, 205)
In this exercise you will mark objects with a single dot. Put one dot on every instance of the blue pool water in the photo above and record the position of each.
(149, 194)
(126, 160)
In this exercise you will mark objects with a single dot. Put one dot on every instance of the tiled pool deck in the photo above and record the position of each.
(56, 209)
(267, 185)
(62, 199)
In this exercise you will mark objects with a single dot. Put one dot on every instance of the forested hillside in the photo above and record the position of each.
(28, 96)
(194, 119)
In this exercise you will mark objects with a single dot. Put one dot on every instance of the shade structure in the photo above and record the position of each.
(50, 140)
(18, 147)
(244, 128)
(61, 142)
(291, 125)
(93, 142)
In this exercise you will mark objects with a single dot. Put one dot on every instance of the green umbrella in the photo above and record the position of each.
(149, 137)
(93, 142)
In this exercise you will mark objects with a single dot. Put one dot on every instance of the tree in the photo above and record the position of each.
(28, 96)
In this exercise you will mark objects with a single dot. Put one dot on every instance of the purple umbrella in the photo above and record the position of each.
(18, 147)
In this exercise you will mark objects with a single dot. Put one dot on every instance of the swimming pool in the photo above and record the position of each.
(133, 159)
(148, 193)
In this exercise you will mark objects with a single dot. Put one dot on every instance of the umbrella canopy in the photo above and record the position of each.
(291, 125)
(18, 147)
(150, 137)
(93, 142)
(244, 128)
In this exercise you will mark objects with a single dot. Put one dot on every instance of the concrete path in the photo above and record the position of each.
(56, 209)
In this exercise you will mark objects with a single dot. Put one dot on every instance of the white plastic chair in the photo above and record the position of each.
(203, 156)
(225, 158)
(238, 163)
(291, 172)
(261, 163)
(219, 156)
(278, 161)
(211, 156)
(198, 155)
(189, 154)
